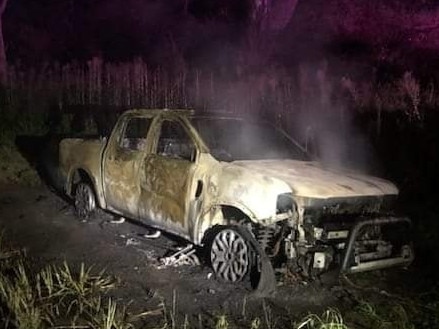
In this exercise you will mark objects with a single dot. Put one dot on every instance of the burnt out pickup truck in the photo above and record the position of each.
(242, 190)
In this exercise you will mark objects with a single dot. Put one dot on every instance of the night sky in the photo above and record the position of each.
(214, 32)
(38, 30)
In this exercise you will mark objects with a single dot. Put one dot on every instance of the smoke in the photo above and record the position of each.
(326, 123)
(341, 144)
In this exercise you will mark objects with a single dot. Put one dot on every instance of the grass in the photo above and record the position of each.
(57, 296)
(393, 316)
(14, 168)
(330, 319)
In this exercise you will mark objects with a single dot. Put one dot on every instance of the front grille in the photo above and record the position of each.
(347, 210)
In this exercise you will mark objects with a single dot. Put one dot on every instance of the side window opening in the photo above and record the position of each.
(174, 142)
(136, 131)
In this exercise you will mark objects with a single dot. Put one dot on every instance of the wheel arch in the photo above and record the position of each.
(222, 214)
(83, 175)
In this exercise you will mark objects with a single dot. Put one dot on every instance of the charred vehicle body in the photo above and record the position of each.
(243, 190)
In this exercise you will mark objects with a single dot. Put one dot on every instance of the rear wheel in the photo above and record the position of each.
(231, 256)
(85, 200)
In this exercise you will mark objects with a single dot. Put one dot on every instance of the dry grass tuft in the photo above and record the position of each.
(56, 296)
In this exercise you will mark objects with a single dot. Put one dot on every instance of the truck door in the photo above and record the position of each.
(167, 178)
(121, 165)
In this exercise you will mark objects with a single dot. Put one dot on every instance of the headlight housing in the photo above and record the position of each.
(284, 203)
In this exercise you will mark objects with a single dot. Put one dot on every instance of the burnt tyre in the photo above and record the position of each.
(231, 255)
(85, 200)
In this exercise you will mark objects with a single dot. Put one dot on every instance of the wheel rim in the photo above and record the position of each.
(84, 200)
(230, 256)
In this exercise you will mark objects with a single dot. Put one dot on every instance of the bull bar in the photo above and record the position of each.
(404, 259)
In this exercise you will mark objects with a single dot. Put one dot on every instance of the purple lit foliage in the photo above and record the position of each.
(274, 57)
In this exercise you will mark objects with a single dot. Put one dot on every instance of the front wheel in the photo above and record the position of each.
(85, 200)
(230, 255)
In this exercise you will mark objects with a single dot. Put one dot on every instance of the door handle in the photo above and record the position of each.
(199, 189)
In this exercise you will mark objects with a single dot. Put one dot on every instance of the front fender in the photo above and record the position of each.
(254, 193)
(213, 216)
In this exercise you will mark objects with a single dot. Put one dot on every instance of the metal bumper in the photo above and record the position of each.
(405, 257)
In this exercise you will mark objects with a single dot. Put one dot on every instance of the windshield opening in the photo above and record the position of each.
(237, 139)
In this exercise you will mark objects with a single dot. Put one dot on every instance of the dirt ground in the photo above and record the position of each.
(43, 223)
